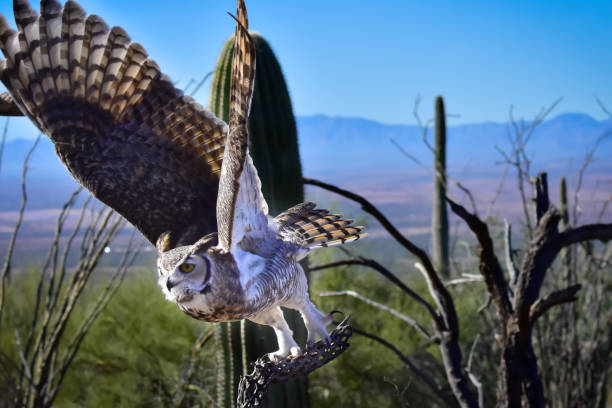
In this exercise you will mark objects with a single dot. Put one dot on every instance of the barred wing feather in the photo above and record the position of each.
(117, 122)
(241, 208)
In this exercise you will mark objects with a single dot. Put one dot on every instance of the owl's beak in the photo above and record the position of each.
(170, 284)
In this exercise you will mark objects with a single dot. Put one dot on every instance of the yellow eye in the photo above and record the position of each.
(186, 267)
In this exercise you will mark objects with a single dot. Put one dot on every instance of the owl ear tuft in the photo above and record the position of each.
(163, 242)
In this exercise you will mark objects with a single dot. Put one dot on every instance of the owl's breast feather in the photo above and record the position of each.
(249, 265)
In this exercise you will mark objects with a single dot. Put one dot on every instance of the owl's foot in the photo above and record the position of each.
(286, 345)
(315, 323)
(281, 354)
(252, 388)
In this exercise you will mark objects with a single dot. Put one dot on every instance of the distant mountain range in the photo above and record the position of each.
(338, 149)
(355, 146)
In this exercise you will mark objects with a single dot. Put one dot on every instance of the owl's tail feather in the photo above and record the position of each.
(316, 228)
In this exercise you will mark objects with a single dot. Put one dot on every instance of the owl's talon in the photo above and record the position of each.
(279, 355)
(331, 314)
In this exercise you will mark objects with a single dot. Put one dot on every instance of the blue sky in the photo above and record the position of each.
(372, 58)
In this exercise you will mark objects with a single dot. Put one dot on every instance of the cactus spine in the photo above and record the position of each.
(274, 149)
(439, 223)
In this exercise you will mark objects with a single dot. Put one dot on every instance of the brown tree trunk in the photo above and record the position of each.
(518, 382)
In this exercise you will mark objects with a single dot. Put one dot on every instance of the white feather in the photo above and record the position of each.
(251, 211)
(250, 265)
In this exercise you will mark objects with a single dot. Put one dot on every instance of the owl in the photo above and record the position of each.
(180, 175)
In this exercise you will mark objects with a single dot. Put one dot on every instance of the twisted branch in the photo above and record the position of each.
(558, 297)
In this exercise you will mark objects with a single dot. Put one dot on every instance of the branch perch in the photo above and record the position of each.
(252, 387)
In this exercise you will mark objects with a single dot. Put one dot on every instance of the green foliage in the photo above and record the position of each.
(369, 374)
(274, 149)
(135, 351)
(439, 221)
(133, 355)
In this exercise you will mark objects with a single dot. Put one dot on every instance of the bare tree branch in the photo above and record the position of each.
(589, 232)
(422, 375)
(447, 327)
(519, 136)
(103, 299)
(432, 290)
(466, 278)
(560, 296)
(583, 167)
(451, 321)
(385, 308)
(489, 264)
(3, 141)
(202, 81)
(423, 127)
(6, 269)
(49, 263)
(499, 189)
(48, 355)
(472, 349)
(603, 107)
(472, 376)
(509, 254)
(450, 350)
(53, 296)
(604, 207)
(385, 272)
(479, 389)
(461, 187)
(545, 246)
(24, 362)
(486, 304)
(542, 202)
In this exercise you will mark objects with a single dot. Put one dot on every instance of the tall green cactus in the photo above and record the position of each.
(274, 149)
(439, 222)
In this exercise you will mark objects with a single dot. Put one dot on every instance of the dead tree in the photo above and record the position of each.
(518, 305)
(443, 313)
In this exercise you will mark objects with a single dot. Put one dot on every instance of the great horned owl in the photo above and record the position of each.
(182, 176)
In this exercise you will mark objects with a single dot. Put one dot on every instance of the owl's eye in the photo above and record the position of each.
(186, 267)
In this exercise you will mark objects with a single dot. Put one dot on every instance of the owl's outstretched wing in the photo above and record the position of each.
(118, 124)
(241, 208)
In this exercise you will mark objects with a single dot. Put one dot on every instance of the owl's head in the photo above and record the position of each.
(185, 272)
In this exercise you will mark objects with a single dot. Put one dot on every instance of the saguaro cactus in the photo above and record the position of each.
(272, 129)
(274, 148)
(439, 221)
